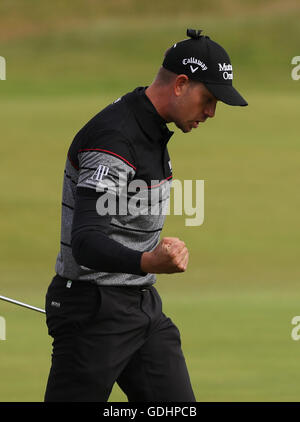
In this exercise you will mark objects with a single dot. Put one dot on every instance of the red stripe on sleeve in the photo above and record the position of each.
(109, 152)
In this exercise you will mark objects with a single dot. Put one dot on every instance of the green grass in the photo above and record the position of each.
(235, 303)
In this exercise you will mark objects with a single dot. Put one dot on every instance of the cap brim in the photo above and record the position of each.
(227, 94)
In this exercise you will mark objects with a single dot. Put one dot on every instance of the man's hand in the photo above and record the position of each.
(169, 256)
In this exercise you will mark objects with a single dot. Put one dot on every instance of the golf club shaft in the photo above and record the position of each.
(16, 302)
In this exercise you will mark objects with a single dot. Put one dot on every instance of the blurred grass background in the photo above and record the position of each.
(234, 305)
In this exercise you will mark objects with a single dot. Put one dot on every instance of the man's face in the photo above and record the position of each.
(193, 104)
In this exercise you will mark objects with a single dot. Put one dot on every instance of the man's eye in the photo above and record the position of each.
(211, 100)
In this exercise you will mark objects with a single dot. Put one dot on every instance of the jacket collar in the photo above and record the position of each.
(150, 122)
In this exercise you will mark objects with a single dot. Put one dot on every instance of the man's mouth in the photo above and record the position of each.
(195, 124)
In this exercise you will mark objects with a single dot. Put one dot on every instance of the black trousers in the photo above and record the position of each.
(104, 335)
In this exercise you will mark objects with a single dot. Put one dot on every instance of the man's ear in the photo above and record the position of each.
(181, 84)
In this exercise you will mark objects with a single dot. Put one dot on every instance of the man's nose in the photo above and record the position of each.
(211, 110)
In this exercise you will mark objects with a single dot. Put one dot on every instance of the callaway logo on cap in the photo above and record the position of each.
(203, 60)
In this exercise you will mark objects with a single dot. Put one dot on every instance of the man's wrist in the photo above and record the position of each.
(146, 262)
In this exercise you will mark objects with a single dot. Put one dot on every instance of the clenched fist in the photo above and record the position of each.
(169, 256)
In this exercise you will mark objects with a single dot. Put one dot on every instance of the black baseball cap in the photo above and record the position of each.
(203, 60)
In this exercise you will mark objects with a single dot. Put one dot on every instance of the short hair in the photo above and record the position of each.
(164, 76)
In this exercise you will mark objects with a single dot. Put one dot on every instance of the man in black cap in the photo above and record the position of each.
(196, 73)
(103, 310)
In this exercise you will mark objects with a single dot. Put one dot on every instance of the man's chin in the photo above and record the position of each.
(184, 129)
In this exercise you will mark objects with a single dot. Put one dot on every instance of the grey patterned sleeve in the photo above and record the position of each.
(104, 170)
(101, 173)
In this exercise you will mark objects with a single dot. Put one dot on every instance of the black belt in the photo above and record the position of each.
(80, 283)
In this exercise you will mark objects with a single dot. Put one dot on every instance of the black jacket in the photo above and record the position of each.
(123, 146)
